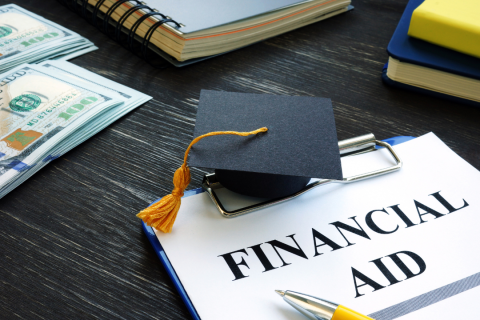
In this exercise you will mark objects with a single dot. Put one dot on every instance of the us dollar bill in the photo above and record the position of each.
(20, 31)
(39, 108)
(27, 37)
(50, 108)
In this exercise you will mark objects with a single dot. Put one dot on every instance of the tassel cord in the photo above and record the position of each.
(162, 214)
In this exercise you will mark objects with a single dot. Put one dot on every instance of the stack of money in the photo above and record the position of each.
(28, 38)
(48, 109)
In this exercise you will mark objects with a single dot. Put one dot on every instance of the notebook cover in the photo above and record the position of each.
(435, 94)
(166, 262)
(419, 52)
(199, 15)
(450, 24)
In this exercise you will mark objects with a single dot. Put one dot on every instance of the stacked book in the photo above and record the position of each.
(29, 38)
(436, 50)
(48, 109)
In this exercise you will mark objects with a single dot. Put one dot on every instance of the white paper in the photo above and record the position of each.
(447, 245)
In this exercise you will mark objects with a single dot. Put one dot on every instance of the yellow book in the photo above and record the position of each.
(454, 24)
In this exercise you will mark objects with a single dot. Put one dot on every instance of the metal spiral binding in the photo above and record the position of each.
(121, 21)
(81, 7)
(111, 10)
(149, 34)
(96, 10)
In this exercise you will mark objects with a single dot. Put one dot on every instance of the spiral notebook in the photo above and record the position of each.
(187, 31)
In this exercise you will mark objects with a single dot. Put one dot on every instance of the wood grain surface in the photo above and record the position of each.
(70, 244)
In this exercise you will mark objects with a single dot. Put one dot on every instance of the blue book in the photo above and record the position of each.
(419, 65)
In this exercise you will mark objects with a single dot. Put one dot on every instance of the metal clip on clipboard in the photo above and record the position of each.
(348, 147)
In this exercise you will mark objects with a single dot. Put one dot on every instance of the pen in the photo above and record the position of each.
(319, 309)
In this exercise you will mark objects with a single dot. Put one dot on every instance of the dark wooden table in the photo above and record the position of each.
(70, 244)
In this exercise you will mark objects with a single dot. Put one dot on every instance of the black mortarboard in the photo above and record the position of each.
(301, 143)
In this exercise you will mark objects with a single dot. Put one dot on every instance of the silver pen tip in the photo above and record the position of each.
(281, 293)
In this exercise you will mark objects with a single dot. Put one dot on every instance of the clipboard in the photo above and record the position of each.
(166, 262)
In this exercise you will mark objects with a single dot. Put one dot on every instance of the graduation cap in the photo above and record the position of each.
(258, 144)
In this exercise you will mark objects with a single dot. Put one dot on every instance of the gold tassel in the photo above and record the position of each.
(162, 214)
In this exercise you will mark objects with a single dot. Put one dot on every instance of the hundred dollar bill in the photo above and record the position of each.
(132, 99)
(27, 37)
(40, 109)
(20, 167)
